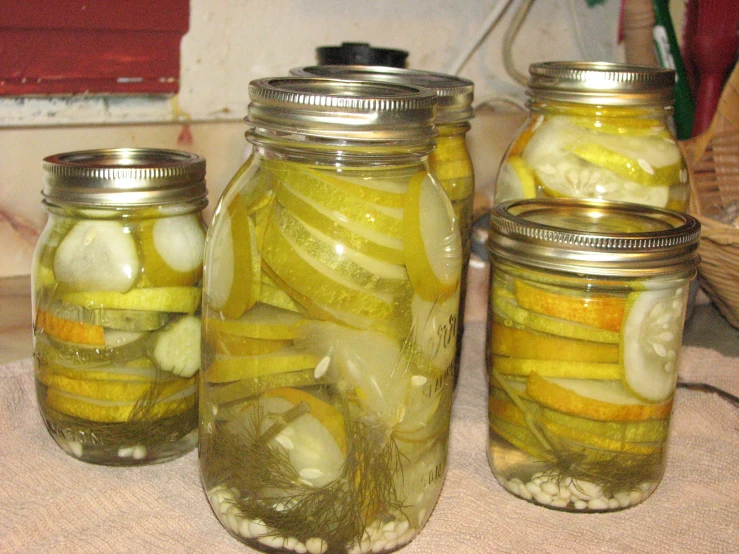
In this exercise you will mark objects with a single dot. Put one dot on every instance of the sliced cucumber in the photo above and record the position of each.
(97, 256)
(650, 342)
(569, 161)
(172, 249)
(431, 240)
(515, 180)
(247, 388)
(69, 353)
(159, 299)
(176, 348)
(124, 320)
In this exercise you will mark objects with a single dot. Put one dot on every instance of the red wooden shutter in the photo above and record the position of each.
(91, 46)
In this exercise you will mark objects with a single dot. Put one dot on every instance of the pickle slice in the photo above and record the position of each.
(556, 368)
(651, 338)
(124, 320)
(506, 309)
(140, 370)
(232, 280)
(597, 310)
(109, 411)
(172, 249)
(365, 271)
(596, 399)
(109, 389)
(345, 207)
(68, 330)
(97, 255)
(527, 343)
(159, 299)
(248, 388)
(69, 353)
(224, 369)
(318, 282)
(261, 322)
(648, 430)
(583, 435)
(362, 239)
(176, 348)
(431, 241)
(515, 180)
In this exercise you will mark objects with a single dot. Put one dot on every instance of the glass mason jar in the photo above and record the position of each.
(450, 161)
(586, 316)
(597, 130)
(330, 296)
(116, 300)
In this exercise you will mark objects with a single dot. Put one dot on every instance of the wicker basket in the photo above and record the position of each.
(713, 166)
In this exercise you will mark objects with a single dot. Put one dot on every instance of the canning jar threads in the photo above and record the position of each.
(597, 130)
(331, 289)
(116, 301)
(450, 161)
(587, 302)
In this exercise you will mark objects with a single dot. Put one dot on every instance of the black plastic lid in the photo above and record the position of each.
(360, 53)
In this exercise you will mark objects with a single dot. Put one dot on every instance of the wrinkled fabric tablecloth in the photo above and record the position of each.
(54, 503)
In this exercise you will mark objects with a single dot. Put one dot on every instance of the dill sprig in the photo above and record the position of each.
(147, 424)
(273, 492)
(613, 471)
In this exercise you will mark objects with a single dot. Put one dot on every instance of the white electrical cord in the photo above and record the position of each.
(510, 35)
(485, 28)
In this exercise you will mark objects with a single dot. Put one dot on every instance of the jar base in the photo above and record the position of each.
(82, 441)
(557, 491)
(380, 536)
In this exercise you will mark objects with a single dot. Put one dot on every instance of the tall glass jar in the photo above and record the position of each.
(331, 285)
(116, 301)
(586, 316)
(450, 161)
(597, 130)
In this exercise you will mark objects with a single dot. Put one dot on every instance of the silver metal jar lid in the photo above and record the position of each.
(455, 94)
(123, 177)
(594, 237)
(337, 112)
(602, 83)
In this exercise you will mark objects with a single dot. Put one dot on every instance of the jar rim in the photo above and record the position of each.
(454, 94)
(115, 177)
(335, 111)
(615, 84)
(595, 237)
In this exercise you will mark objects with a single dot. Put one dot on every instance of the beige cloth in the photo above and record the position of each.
(51, 502)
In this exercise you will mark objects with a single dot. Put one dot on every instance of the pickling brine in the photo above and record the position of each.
(331, 292)
(583, 360)
(116, 295)
(597, 131)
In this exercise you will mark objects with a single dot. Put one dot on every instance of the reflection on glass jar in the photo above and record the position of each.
(331, 289)
(582, 349)
(116, 295)
(597, 130)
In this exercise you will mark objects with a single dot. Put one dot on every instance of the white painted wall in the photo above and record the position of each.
(231, 42)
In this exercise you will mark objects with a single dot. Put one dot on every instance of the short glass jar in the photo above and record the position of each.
(330, 298)
(587, 302)
(597, 130)
(116, 301)
(450, 161)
